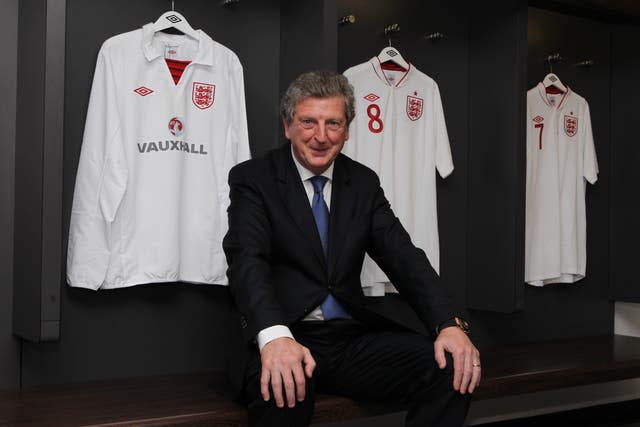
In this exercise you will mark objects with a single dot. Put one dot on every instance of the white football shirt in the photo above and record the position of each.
(560, 157)
(399, 131)
(151, 189)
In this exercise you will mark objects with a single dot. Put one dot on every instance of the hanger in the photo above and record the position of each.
(174, 20)
(553, 84)
(391, 59)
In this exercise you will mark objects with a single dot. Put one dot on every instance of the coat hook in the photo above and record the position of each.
(585, 63)
(434, 36)
(173, 6)
(347, 20)
(390, 29)
(554, 57)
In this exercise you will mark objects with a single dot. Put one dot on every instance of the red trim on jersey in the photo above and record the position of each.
(391, 66)
(553, 90)
(379, 72)
(383, 67)
(176, 68)
(542, 90)
(405, 76)
(564, 97)
(383, 74)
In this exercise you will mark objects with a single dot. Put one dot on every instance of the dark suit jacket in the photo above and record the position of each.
(277, 270)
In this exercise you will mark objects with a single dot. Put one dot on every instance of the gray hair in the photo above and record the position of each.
(317, 84)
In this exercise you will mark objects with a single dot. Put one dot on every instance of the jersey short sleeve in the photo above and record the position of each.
(590, 161)
(444, 161)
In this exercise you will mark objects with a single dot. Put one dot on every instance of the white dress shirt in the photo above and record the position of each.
(278, 331)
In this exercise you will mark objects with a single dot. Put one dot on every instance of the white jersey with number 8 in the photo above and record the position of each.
(399, 131)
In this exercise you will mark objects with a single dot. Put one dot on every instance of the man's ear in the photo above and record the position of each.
(286, 127)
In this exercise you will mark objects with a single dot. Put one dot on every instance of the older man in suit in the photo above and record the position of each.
(300, 221)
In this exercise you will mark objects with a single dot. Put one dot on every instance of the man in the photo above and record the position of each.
(300, 221)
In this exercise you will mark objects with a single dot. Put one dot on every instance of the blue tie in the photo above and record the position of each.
(331, 309)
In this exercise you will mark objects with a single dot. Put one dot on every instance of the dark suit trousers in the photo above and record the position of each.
(394, 366)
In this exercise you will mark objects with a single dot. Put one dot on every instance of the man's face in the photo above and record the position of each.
(318, 132)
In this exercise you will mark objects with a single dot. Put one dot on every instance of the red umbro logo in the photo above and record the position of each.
(538, 119)
(371, 97)
(143, 91)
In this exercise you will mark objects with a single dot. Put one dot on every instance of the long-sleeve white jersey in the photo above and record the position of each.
(399, 131)
(560, 158)
(151, 189)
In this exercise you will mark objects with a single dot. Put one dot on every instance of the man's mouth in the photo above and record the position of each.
(319, 151)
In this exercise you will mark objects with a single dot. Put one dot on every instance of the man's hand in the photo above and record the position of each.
(285, 363)
(466, 358)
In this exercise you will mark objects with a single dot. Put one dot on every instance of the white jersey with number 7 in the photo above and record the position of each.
(560, 157)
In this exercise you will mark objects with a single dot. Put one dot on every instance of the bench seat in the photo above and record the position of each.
(187, 400)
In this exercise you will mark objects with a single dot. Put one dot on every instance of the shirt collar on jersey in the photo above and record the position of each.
(306, 174)
(203, 56)
(543, 94)
(377, 68)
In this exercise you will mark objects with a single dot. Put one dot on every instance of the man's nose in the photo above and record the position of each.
(321, 133)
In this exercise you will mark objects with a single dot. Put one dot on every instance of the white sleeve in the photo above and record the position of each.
(269, 334)
(590, 162)
(100, 183)
(444, 162)
(239, 137)
(237, 144)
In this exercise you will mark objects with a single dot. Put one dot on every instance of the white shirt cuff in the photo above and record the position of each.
(271, 333)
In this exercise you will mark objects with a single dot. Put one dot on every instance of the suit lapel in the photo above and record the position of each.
(296, 201)
(341, 208)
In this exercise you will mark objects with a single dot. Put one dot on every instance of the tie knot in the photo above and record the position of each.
(318, 183)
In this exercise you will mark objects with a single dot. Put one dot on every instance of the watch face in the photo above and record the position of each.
(462, 324)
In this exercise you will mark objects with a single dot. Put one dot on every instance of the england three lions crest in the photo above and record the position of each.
(203, 95)
(414, 107)
(570, 125)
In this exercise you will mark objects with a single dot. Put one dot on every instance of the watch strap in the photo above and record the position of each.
(459, 322)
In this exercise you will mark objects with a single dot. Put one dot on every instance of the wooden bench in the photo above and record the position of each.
(186, 400)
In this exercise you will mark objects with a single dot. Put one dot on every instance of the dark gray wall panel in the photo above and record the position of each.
(496, 160)
(625, 158)
(38, 185)
(133, 332)
(151, 329)
(28, 173)
(9, 345)
(308, 38)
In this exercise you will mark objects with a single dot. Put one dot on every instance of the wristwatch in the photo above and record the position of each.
(454, 321)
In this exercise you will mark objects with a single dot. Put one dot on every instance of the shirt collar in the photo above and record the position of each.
(306, 174)
(203, 56)
(377, 68)
(543, 94)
